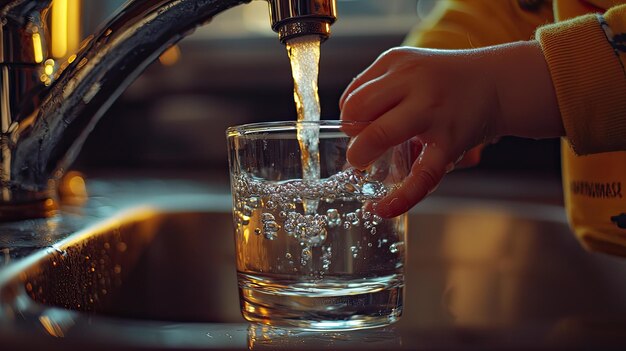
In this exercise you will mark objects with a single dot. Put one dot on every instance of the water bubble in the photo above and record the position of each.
(288, 255)
(305, 256)
(352, 218)
(396, 247)
(309, 229)
(270, 205)
(347, 225)
(333, 217)
(271, 226)
(366, 215)
(376, 219)
(271, 235)
(253, 202)
(301, 230)
(247, 211)
(257, 231)
(327, 253)
(369, 244)
(318, 238)
(373, 231)
(282, 214)
(355, 251)
(290, 226)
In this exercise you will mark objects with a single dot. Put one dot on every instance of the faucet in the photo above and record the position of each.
(48, 109)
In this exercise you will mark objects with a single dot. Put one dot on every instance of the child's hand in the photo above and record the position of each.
(450, 101)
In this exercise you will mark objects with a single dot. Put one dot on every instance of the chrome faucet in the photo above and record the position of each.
(48, 109)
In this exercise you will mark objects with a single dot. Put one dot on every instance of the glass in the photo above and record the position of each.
(311, 253)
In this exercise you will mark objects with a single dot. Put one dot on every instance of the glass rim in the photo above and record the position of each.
(290, 125)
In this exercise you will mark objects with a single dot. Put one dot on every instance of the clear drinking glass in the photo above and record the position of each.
(310, 252)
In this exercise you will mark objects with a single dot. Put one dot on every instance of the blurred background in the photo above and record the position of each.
(234, 71)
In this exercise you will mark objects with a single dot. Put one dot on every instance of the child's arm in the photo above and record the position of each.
(587, 59)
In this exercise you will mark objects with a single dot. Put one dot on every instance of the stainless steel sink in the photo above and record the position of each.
(160, 273)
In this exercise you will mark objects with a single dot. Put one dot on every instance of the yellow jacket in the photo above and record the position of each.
(584, 43)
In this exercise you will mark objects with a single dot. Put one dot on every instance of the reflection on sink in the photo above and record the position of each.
(507, 274)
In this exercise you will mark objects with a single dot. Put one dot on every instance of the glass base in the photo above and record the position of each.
(315, 309)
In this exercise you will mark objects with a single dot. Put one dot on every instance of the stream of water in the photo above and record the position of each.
(304, 55)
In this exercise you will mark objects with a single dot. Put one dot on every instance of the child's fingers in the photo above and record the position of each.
(426, 173)
(375, 70)
(392, 128)
(373, 98)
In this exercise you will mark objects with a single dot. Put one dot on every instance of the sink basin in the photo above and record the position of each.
(480, 273)
(144, 264)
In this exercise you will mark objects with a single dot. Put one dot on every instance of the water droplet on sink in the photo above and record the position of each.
(121, 247)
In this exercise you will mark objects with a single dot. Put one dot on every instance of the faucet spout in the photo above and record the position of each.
(44, 125)
(293, 18)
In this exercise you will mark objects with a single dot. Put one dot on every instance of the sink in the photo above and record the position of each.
(160, 273)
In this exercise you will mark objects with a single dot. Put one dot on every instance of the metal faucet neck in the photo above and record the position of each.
(293, 18)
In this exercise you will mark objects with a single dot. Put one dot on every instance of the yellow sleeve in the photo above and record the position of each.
(464, 24)
(586, 57)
